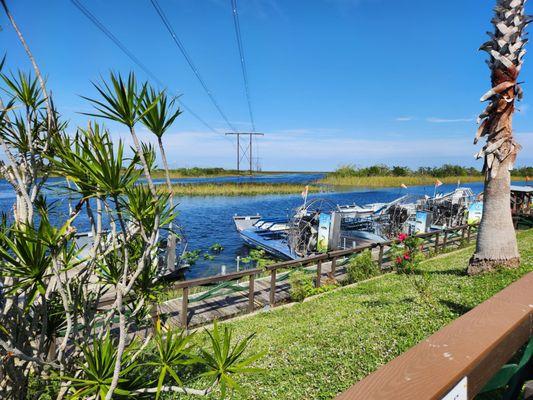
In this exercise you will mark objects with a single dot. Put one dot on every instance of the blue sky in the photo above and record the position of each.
(331, 81)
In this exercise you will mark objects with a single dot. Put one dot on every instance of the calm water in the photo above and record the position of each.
(208, 220)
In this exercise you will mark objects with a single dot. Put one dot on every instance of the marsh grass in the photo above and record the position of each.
(197, 172)
(238, 189)
(388, 181)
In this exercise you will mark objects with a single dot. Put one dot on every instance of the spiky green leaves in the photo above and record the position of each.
(227, 358)
(97, 366)
(92, 162)
(122, 100)
(160, 117)
(24, 88)
(142, 208)
(163, 366)
(26, 259)
(173, 351)
(27, 254)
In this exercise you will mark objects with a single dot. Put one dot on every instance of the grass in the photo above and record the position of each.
(196, 172)
(390, 181)
(238, 189)
(387, 181)
(319, 348)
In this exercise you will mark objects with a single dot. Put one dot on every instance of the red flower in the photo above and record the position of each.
(402, 237)
(398, 260)
(406, 256)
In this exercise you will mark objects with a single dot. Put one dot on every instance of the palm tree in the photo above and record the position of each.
(496, 243)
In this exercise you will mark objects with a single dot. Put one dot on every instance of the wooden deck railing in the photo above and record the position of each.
(434, 241)
(457, 361)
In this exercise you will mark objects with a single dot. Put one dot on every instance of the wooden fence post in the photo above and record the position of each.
(318, 273)
(380, 256)
(251, 293)
(184, 308)
(445, 240)
(333, 267)
(463, 233)
(469, 233)
(437, 242)
(272, 287)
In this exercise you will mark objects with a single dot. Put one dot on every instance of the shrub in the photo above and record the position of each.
(361, 266)
(407, 256)
(407, 253)
(301, 285)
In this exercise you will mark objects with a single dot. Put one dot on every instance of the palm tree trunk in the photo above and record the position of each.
(171, 240)
(496, 243)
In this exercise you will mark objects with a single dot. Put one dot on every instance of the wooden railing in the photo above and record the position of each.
(434, 241)
(457, 361)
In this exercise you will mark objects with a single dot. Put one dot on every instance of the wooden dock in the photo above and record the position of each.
(226, 296)
(232, 304)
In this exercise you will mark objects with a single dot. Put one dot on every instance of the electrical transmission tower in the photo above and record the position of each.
(249, 150)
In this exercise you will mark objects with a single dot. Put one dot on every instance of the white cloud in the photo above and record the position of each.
(402, 119)
(448, 120)
(305, 149)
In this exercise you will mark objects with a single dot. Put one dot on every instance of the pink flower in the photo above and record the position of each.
(406, 256)
(402, 237)
(398, 260)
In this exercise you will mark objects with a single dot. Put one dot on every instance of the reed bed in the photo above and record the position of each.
(238, 189)
(390, 181)
(196, 172)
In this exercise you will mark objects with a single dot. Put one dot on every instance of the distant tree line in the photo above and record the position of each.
(196, 171)
(438, 172)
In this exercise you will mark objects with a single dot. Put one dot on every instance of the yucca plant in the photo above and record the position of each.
(24, 137)
(54, 320)
(26, 259)
(122, 101)
(173, 351)
(226, 358)
(142, 208)
(97, 367)
(92, 162)
(496, 241)
(158, 119)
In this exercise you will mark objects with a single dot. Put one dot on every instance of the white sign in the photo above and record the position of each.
(459, 391)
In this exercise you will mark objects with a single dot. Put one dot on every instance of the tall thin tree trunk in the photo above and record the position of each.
(171, 239)
(42, 84)
(146, 168)
(496, 242)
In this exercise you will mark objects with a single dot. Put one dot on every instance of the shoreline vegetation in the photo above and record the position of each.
(377, 176)
(393, 181)
(384, 176)
(238, 189)
(197, 172)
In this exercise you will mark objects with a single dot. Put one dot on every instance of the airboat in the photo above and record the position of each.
(319, 225)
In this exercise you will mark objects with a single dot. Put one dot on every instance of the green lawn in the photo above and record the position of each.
(320, 347)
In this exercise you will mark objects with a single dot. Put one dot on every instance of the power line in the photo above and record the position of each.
(135, 60)
(193, 67)
(243, 61)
